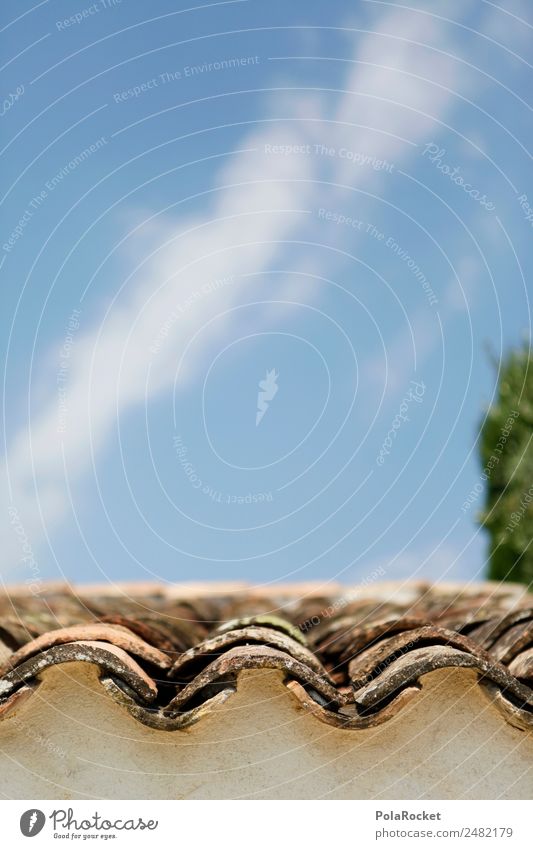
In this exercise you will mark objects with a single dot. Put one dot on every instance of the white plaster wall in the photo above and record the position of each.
(71, 741)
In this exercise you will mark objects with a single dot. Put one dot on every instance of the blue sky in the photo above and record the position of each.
(329, 200)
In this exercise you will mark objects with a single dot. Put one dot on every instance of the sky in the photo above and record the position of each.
(258, 263)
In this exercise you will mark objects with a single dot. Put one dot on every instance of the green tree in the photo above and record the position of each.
(506, 449)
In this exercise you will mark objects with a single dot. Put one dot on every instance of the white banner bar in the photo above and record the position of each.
(258, 824)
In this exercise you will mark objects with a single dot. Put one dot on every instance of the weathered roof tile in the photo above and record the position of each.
(353, 657)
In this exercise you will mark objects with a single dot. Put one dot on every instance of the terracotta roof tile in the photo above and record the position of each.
(116, 635)
(353, 657)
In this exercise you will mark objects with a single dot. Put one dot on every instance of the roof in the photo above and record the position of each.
(352, 656)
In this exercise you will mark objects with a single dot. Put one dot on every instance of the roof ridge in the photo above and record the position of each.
(352, 660)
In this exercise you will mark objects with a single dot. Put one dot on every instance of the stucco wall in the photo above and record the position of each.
(70, 740)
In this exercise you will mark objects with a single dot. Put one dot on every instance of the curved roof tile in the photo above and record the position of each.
(353, 657)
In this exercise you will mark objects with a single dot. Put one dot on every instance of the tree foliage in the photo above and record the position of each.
(506, 449)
